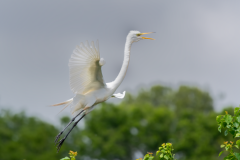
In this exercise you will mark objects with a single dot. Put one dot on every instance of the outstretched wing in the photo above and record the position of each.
(85, 69)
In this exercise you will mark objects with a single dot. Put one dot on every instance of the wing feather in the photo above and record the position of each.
(85, 70)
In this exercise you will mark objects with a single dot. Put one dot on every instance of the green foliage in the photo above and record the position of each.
(192, 99)
(184, 117)
(65, 158)
(156, 96)
(148, 156)
(23, 137)
(65, 120)
(229, 148)
(72, 156)
(164, 153)
(231, 124)
(115, 128)
(185, 97)
(140, 123)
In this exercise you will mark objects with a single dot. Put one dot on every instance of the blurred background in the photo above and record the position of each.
(176, 84)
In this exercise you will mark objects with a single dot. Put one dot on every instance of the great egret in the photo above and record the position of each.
(86, 79)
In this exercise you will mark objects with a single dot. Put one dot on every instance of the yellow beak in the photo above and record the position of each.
(146, 37)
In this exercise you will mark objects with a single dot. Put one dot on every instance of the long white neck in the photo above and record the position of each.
(123, 71)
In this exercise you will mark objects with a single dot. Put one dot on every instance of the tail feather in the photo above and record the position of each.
(66, 103)
(62, 103)
(74, 103)
(64, 107)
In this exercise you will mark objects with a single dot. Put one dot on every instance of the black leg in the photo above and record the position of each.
(62, 140)
(58, 136)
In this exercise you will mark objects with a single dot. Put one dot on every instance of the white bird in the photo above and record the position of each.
(86, 79)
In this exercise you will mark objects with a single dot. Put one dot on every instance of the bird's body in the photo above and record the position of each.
(90, 99)
(86, 79)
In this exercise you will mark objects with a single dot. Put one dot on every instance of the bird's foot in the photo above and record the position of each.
(60, 144)
(57, 137)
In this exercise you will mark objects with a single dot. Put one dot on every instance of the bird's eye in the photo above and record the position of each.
(138, 34)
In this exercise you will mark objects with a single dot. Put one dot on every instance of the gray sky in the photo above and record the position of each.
(197, 43)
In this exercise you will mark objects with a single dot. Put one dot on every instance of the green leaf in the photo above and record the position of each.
(238, 143)
(166, 157)
(228, 118)
(146, 157)
(237, 155)
(150, 158)
(218, 118)
(157, 152)
(236, 110)
(220, 128)
(235, 124)
(222, 146)
(66, 158)
(237, 135)
(220, 153)
(238, 119)
(226, 132)
(226, 148)
(236, 146)
(161, 156)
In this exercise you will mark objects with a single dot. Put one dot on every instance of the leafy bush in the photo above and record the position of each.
(164, 153)
(231, 124)
(72, 156)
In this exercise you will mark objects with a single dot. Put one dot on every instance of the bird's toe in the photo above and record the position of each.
(60, 144)
(57, 137)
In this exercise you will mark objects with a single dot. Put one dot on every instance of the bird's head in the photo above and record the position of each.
(135, 36)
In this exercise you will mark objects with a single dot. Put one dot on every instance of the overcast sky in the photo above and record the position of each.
(197, 43)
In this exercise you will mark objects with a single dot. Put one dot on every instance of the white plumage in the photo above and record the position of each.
(86, 79)
(85, 69)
